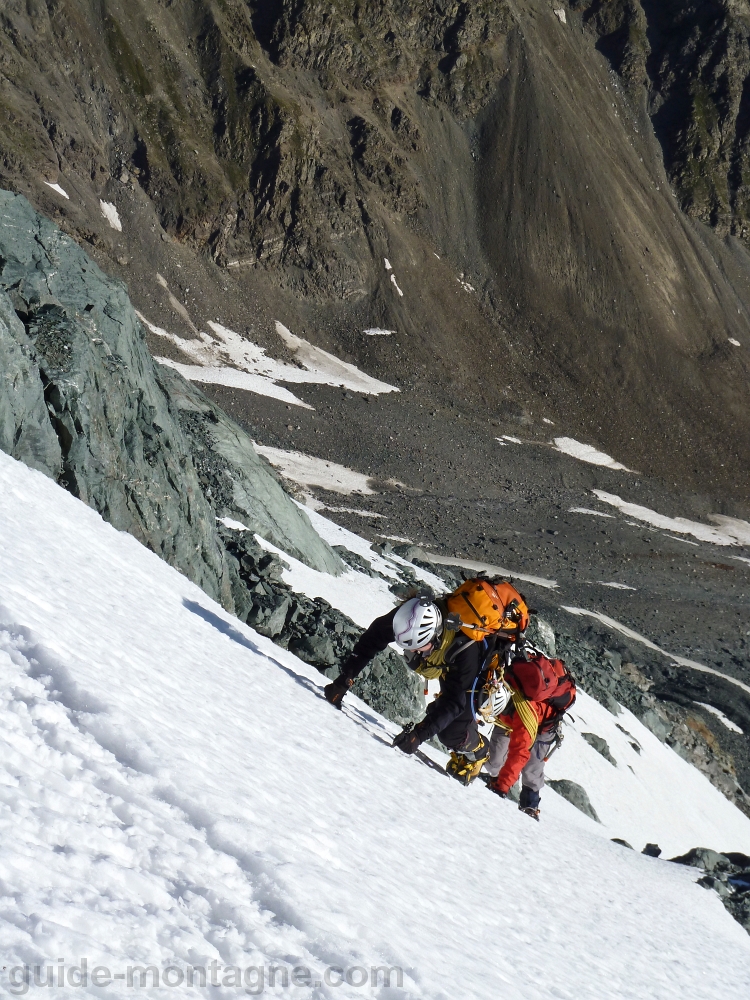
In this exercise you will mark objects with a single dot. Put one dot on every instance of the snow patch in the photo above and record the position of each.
(227, 358)
(387, 264)
(615, 586)
(587, 510)
(229, 522)
(560, 14)
(58, 190)
(630, 634)
(465, 284)
(375, 331)
(509, 438)
(307, 470)
(359, 596)
(728, 530)
(314, 504)
(395, 285)
(586, 453)
(546, 420)
(110, 213)
(734, 342)
(490, 570)
(721, 717)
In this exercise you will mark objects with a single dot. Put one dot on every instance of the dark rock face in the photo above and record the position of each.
(728, 875)
(693, 58)
(25, 430)
(84, 402)
(575, 794)
(120, 448)
(314, 631)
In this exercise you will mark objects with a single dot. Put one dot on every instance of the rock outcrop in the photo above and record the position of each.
(82, 400)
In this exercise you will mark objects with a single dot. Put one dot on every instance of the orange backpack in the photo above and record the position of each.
(488, 609)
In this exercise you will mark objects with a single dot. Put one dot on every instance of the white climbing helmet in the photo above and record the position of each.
(416, 623)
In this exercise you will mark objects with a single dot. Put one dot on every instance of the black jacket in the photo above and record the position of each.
(455, 684)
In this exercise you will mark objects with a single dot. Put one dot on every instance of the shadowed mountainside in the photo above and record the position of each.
(516, 165)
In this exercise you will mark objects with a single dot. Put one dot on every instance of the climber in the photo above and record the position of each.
(441, 643)
(538, 691)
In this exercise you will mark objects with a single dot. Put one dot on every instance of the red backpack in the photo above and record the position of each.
(544, 680)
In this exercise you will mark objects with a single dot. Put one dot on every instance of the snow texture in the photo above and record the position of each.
(375, 331)
(58, 189)
(586, 453)
(307, 470)
(727, 530)
(734, 342)
(175, 791)
(110, 213)
(395, 285)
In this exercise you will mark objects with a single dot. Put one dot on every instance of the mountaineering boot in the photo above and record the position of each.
(335, 691)
(465, 765)
(529, 803)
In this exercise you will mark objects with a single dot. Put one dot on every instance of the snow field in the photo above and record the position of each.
(176, 791)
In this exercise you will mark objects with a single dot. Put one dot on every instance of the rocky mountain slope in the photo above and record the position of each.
(515, 165)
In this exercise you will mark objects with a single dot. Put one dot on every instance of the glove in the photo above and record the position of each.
(408, 740)
(335, 691)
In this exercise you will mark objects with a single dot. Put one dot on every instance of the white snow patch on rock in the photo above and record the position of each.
(395, 285)
(322, 368)
(728, 530)
(359, 596)
(615, 585)
(228, 358)
(229, 522)
(491, 570)
(586, 453)
(314, 504)
(508, 438)
(721, 717)
(375, 331)
(679, 660)
(387, 264)
(560, 14)
(58, 190)
(734, 342)
(587, 510)
(110, 213)
(307, 470)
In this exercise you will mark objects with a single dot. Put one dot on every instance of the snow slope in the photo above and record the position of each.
(175, 792)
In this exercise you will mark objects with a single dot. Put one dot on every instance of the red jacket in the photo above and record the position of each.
(521, 741)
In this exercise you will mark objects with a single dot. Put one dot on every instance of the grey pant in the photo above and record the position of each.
(533, 773)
